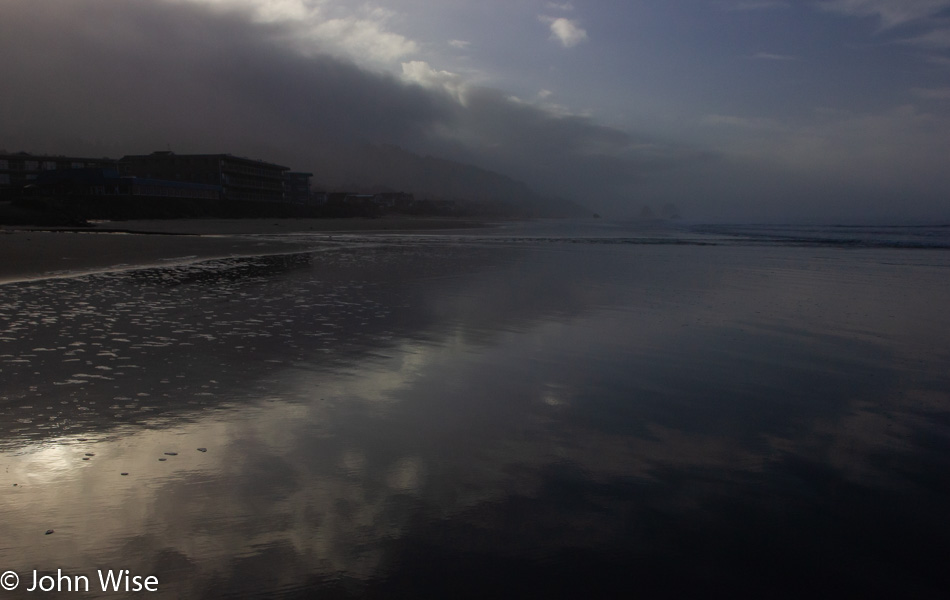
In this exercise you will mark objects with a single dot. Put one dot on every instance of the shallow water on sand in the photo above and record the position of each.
(489, 415)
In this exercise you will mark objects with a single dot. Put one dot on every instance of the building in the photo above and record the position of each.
(394, 201)
(242, 179)
(109, 183)
(297, 187)
(21, 169)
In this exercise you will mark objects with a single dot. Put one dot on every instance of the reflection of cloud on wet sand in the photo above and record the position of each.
(290, 478)
(249, 492)
(867, 443)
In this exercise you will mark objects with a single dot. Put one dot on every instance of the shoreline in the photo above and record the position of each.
(38, 253)
(261, 225)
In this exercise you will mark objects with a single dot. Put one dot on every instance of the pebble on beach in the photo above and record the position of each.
(49, 531)
(202, 449)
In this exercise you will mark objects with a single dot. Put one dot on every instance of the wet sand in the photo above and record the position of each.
(465, 416)
(42, 253)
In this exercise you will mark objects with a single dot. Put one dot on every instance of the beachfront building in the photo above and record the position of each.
(238, 178)
(297, 187)
(394, 201)
(20, 169)
(108, 182)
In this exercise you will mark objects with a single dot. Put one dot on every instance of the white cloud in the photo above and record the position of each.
(565, 6)
(283, 10)
(550, 108)
(890, 12)
(422, 73)
(565, 31)
(267, 10)
(364, 38)
(361, 34)
(460, 44)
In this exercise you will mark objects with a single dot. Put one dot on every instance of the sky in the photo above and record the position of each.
(733, 110)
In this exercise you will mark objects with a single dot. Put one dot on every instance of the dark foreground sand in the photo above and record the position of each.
(37, 254)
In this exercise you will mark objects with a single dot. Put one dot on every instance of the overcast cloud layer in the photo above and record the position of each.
(832, 110)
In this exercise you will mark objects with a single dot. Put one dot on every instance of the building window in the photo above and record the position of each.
(49, 165)
(4, 179)
(4, 164)
(31, 165)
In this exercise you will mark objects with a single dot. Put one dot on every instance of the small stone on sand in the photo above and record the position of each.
(202, 449)
(49, 531)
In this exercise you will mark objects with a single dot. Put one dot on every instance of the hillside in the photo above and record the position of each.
(373, 168)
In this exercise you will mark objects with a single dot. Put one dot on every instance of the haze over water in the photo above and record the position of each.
(542, 410)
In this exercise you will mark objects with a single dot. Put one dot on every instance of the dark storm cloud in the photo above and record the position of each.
(141, 75)
(115, 77)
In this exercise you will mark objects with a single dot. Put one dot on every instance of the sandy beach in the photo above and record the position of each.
(38, 253)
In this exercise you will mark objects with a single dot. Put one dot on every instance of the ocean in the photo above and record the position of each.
(549, 409)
